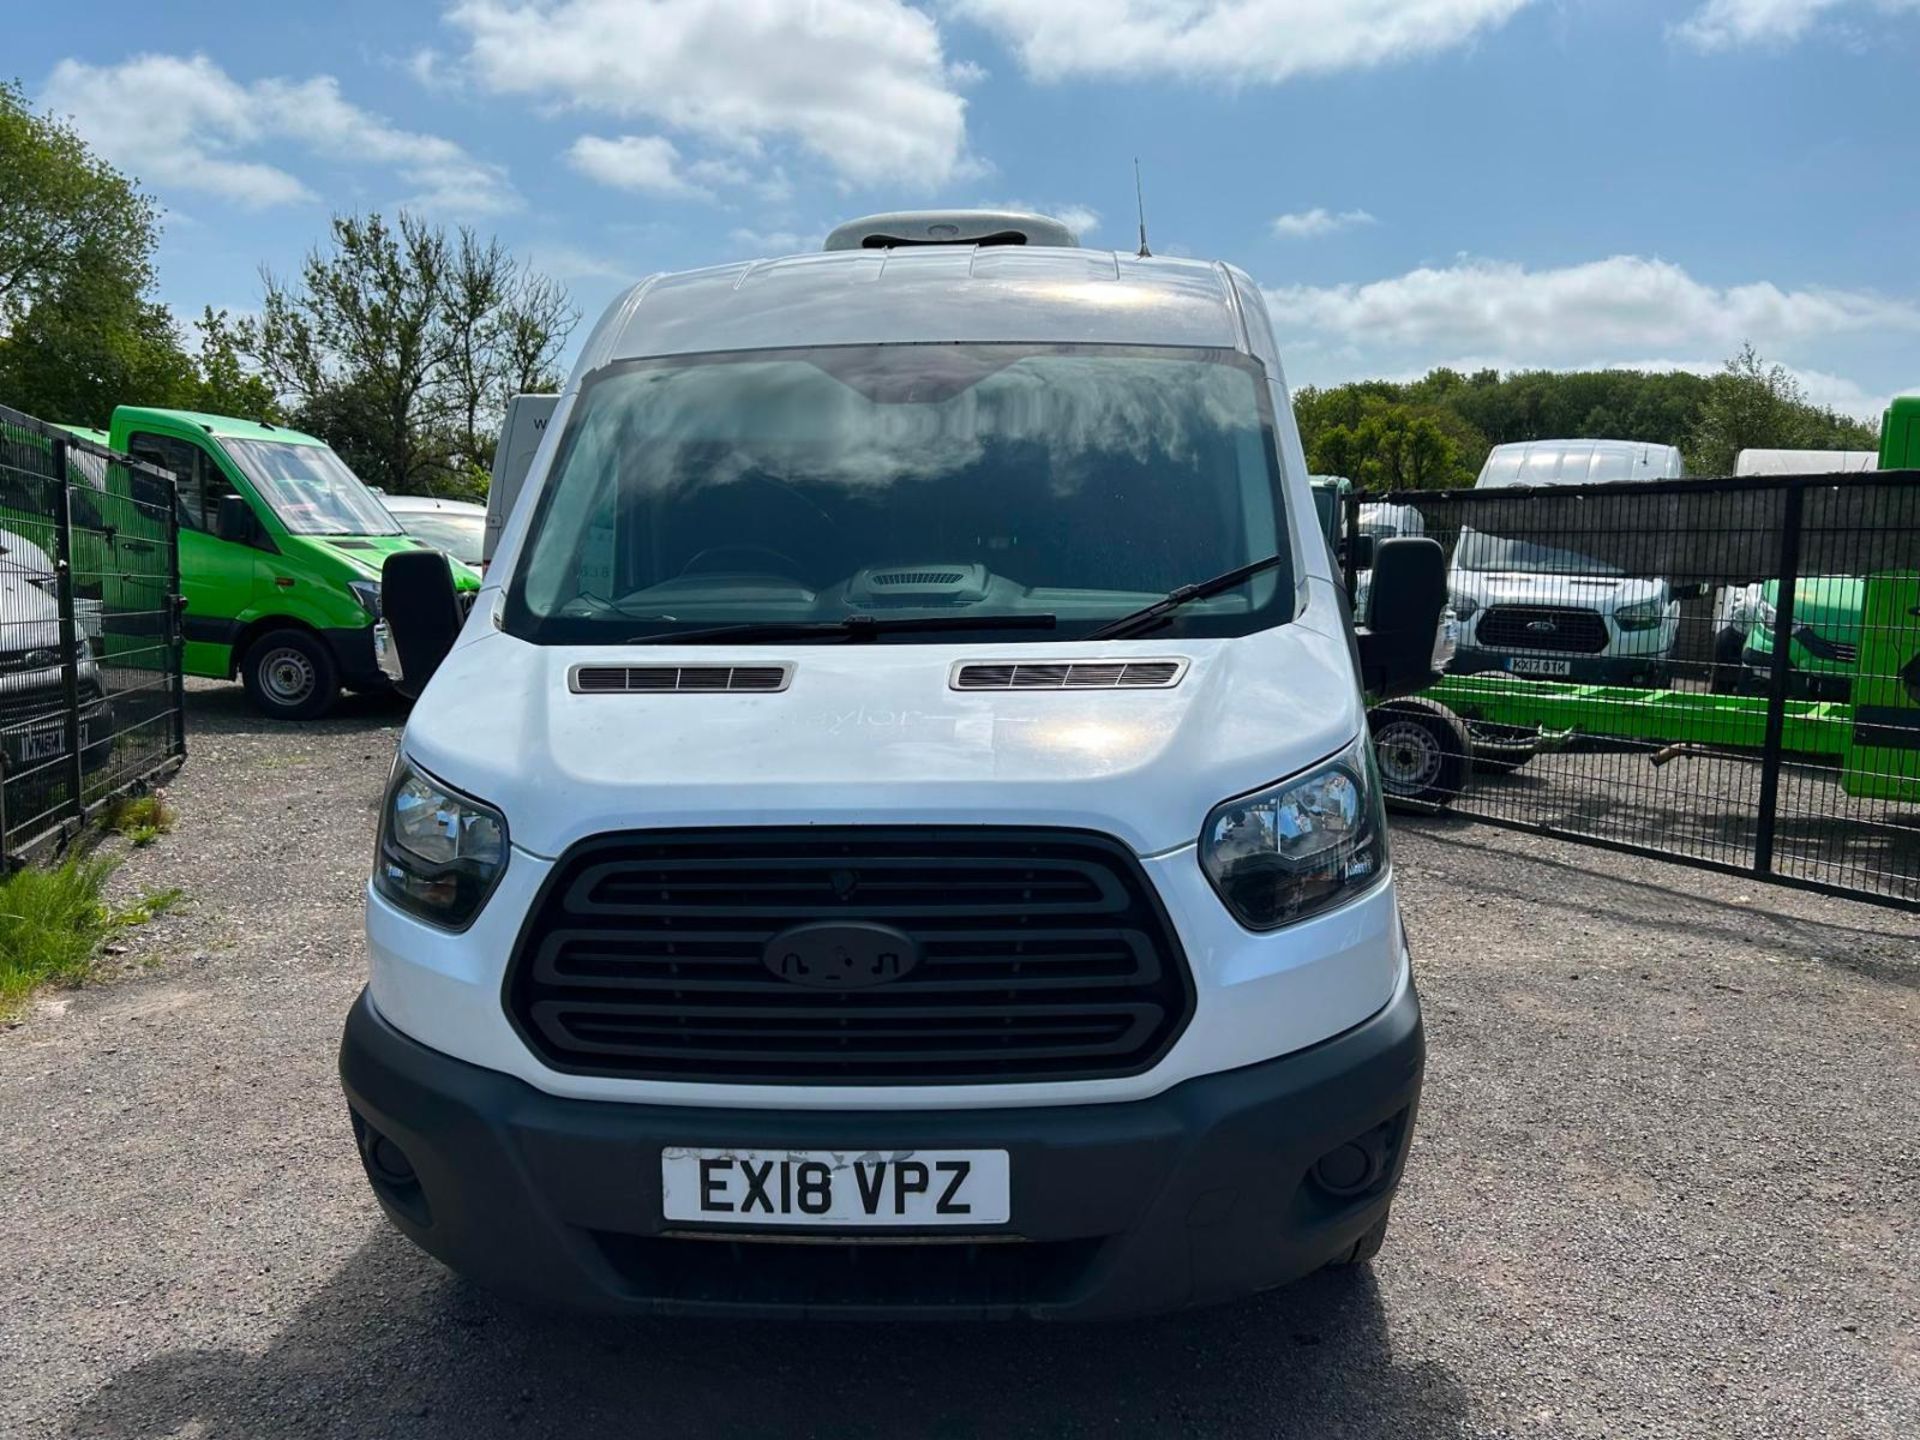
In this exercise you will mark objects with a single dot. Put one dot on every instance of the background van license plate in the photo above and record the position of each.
(841, 1190)
(1524, 666)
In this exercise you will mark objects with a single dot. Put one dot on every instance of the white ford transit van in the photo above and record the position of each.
(923, 821)
(1532, 608)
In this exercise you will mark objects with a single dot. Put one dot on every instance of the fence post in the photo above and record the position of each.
(1779, 678)
(1349, 528)
(176, 628)
(69, 633)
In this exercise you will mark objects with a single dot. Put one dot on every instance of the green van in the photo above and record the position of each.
(1828, 610)
(280, 553)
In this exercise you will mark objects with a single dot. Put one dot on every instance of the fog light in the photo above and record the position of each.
(391, 1161)
(1359, 1165)
(1345, 1171)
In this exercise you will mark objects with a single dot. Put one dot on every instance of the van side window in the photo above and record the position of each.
(199, 481)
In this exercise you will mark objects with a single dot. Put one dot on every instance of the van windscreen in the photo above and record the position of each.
(977, 481)
(311, 489)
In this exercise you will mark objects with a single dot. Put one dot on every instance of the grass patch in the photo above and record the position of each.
(54, 921)
(143, 819)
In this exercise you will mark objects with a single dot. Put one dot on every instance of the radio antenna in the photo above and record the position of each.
(1140, 198)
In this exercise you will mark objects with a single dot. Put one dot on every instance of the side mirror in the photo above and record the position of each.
(1409, 590)
(423, 615)
(236, 521)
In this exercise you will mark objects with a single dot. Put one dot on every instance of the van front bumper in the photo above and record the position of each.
(357, 652)
(1200, 1194)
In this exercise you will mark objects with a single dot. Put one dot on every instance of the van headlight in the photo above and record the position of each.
(1464, 605)
(1284, 853)
(367, 592)
(440, 853)
(1645, 615)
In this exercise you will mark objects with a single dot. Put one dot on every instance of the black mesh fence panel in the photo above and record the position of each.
(90, 680)
(1725, 672)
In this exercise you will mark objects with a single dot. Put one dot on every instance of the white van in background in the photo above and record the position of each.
(1546, 611)
(1579, 462)
(520, 436)
(1805, 462)
(923, 821)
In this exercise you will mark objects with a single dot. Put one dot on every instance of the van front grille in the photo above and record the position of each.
(1542, 627)
(1041, 955)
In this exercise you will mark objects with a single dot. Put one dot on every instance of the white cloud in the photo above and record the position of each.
(1082, 220)
(1724, 24)
(764, 243)
(1617, 311)
(649, 163)
(862, 84)
(1243, 40)
(185, 124)
(572, 265)
(1312, 224)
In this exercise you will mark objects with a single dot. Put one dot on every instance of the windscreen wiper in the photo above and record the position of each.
(1152, 617)
(850, 627)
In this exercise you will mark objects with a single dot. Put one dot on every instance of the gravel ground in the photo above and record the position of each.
(1664, 1184)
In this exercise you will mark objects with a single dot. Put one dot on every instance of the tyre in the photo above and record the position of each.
(290, 675)
(1422, 751)
(1367, 1246)
(1729, 664)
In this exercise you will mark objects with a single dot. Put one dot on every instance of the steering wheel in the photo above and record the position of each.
(704, 562)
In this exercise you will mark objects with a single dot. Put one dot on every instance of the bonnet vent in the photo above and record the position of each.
(678, 679)
(1076, 675)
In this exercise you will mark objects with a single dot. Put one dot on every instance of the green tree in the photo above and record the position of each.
(1382, 442)
(400, 344)
(1366, 430)
(63, 212)
(225, 383)
(80, 331)
(1751, 405)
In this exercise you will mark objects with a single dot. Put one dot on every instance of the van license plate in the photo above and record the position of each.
(838, 1190)
(49, 742)
(1523, 665)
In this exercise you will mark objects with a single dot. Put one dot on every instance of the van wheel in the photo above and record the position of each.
(290, 675)
(1422, 751)
(1367, 1246)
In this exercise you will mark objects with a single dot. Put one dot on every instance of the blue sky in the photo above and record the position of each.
(1415, 182)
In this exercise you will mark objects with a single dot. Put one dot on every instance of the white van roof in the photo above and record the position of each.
(941, 293)
(1579, 462)
(1805, 462)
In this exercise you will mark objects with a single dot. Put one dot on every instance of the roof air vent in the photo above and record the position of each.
(679, 679)
(1070, 675)
(904, 228)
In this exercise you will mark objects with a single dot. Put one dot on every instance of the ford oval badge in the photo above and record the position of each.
(841, 955)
